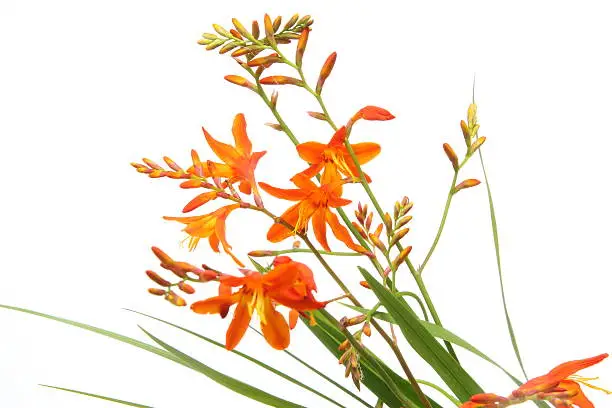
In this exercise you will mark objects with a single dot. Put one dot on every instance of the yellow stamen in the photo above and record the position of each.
(585, 381)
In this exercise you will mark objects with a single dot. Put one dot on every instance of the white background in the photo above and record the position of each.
(88, 87)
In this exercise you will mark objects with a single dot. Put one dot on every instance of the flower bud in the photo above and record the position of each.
(200, 200)
(240, 81)
(365, 284)
(269, 29)
(274, 126)
(255, 29)
(466, 184)
(326, 71)
(187, 288)
(157, 291)
(401, 257)
(317, 115)
(452, 156)
(175, 299)
(281, 80)
(301, 46)
(367, 329)
(477, 143)
(157, 279)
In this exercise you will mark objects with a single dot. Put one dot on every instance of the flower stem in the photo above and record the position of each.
(304, 250)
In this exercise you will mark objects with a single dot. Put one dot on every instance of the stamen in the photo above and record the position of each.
(585, 381)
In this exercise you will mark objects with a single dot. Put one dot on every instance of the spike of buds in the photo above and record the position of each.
(281, 80)
(240, 81)
(466, 184)
(157, 291)
(175, 299)
(401, 257)
(317, 115)
(301, 46)
(452, 156)
(157, 279)
(187, 288)
(269, 29)
(326, 71)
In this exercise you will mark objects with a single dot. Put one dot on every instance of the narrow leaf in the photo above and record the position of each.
(130, 404)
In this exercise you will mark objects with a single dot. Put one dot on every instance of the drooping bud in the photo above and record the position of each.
(240, 81)
(187, 288)
(157, 279)
(200, 200)
(301, 46)
(157, 291)
(317, 115)
(281, 80)
(326, 71)
(175, 299)
(452, 156)
(466, 184)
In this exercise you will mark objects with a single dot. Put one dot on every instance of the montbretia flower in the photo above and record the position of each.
(314, 203)
(289, 284)
(239, 161)
(211, 226)
(561, 387)
(334, 159)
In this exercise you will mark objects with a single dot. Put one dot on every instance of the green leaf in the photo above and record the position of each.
(131, 404)
(247, 357)
(227, 381)
(326, 330)
(457, 379)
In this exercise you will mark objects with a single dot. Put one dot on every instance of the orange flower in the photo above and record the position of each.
(211, 226)
(372, 113)
(239, 162)
(314, 203)
(334, 158)
(560, 382)
(289, 284)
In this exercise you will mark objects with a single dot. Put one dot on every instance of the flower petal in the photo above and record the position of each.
(285, 194)
(304, 183)
(571, 367)
(341, 233)
(224, 151)
(214, 304)
(293, 318)
(365, 151)
(276, 329)
(243, 144)
(279, 232)
(239, 324)
(312, 152)
(338, 138)
(319, 227)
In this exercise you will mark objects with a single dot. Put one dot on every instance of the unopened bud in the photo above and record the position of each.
(291, 22)
(466, 184)
(401, 257)
(347, 322)
(175, 299)
(377, 242)
(398, 236)
(344, 345)
(452, 156)
(240, 81)
(152, 164)
(264, 61)
(255, 29)
(301, 46)
(172, 164)
(274, 98)
(317, 115)
(200, 200)
(403, 221)
(478, 143)
(242, 30)
(162, 256)
(368, 221)
(471, 115)
(488, 398)
(274, 126)
(326, 71)
(236, 34)
(367, 329)
(157, 279)
(276, 24)
(365, 284)
(281, 80)
(388, 223)
(296, 244)
(269, 29)
(466, 131)
(205, 275)
(260, 253)
(157, 291)
(360, 230)
(187, 288)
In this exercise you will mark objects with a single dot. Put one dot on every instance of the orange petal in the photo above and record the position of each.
(319, 227)
(245, 187)
(313, 170)
(285, 194)
(276, 329)
(571, 367)
(214, 304)
(213, 241)
(579, 399)
(220, 234)
(224, 151)
(341, 233)
(239, 324)
(293, 318)
(304, 182)
(365, 152)
(243, 144)
(338, 138)
(224, 290)
(279, 232)
(312, 152)
(200, 200)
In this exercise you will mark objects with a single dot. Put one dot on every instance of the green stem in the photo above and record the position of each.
(441, 391)
(303, 250)
(419, 301)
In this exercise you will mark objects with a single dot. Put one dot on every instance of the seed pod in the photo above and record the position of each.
(187, 288)
(274, 126)
(398, 236)
(157, 291)
(326, 71)
(477, 143)
(452, 156)
(157, 279)
(175, 299)
(269, 29)
(238, 80)
(466, 184)
(317, 115)
(280, 80)
(255, 29)
(301, 46)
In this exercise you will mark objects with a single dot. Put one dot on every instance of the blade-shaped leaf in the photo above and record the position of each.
(326, 330)
(245, 356)
(87, 394)
(455, 377)
(227, 381)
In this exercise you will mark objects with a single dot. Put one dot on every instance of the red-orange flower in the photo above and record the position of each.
(239, 162)
(211, 226)
(334, 158)
(314, 204)
(289, 284)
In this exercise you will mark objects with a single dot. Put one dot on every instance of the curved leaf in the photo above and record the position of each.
(87, 394)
